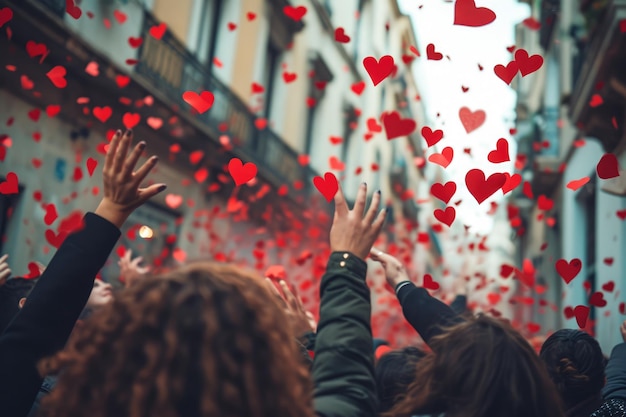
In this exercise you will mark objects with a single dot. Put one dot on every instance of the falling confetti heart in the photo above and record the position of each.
(608, 167)
(482, 188)
(200, 102)
(467, 14)
(57, 76)
(395, 126)
(431, 137)
(568, 270)
(471, 120)
(378, 70)
(241, 173)
(501, 154)
(327, 186)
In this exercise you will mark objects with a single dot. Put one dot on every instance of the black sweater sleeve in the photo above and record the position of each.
(343, 368)
(45, 322)
(615, 387)
(425, 313)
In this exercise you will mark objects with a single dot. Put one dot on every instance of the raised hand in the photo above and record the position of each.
(622, 330)
(130, 270)
(395, 272)
(351, 231)
(292, 303)
(121, 182)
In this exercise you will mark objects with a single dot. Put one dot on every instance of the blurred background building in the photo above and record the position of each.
(570, 114)
(287, 96)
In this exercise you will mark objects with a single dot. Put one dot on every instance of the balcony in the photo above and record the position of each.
(602, 74)
(168, 66)
(164, 71)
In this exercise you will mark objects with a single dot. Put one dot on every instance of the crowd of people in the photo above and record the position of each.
(211, 339)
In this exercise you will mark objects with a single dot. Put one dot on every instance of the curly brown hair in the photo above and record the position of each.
(481, 367)
(204, 340)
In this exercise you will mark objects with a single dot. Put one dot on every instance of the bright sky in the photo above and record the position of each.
(440, 85)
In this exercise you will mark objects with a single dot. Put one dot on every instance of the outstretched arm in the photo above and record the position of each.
(615, 387)
(45, 322)
(343, 368)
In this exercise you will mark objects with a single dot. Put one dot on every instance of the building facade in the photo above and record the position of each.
(287, 96)
(573, 114)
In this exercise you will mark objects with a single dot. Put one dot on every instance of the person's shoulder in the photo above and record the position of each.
(611, 408)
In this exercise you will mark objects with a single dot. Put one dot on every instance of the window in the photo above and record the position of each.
(269, 74)
(201, 29)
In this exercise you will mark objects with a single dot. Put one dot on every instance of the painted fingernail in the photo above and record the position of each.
(129, 132)
(155, 159)
(142, 145)
(364, 184)
(378, 192)
(162, 188)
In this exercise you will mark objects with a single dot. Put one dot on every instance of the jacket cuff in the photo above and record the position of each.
(107, 236)
(348, 261)
(403, 284)
(619, 351)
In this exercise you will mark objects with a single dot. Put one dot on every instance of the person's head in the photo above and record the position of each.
(101, 295)
(12, 297)
(481, 367)
(206, 339)
(395, 371)
(575, 363)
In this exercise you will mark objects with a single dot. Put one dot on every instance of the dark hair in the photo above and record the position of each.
(575, 363)
(481, 367)
(395, 371)
(11, 293)
(202, 340)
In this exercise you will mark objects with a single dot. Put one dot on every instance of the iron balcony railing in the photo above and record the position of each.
(173, 70)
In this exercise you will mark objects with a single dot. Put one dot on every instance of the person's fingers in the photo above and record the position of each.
(291, 300)
(5, 274)
(146, 194)
(373, 209)
(341, 207)
(108, 160)
(131, 161)
(377, 226)
(121, 152)
(361, 199)
(275, 291)
(4, 258)
(145, 169)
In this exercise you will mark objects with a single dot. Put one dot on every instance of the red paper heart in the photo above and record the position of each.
(57, 76)
(576, 184)
(295, 13)
(257, 88)
(511, 183)
(327, 186)
(336, 164)
(446, 217)
(173, 200)
(568, 270)
(93, 69)
(608, 167)
(130, 120)
(527, 65)
(340, 35)
(378, 70)
(373, 126)
(196, 156)
(506, 270)
(501, 154)
(51, 214)
(471, 120)
(231, 26)
(544, 203)
(200, 102)
(33, 271)
(201, 174)
(289, 77)
(36, 49)
(250, 16)
(596, 100)
(11, 185)
(358, 87)
(395, 126)
(443, 192)
(568, 312)
(582, 314)
(154, 122)
(158, 31)
(622, 305)
(507, 73)
(6, 15)
(608, 286)
(482, 188)
(429, 283)
(91, 165)
(119, 16)
(597, 299)
(432, 54)
(621, 214)
(531, 23)
(467, 14)
(241, 173)
(444, 158)
(102, 113)
(135, 42)
(432, 138)
(73, 10)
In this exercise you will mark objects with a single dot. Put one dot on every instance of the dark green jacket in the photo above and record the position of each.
(343, 368)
